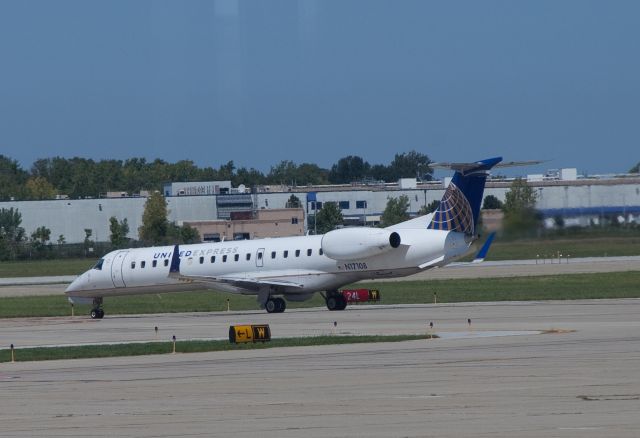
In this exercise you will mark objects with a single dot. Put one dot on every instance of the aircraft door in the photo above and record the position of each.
(260, 257)
(116, 268)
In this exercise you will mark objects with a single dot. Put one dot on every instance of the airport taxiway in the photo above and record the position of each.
(582, 383)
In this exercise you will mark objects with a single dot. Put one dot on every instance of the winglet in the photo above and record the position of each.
(175, 261)
(485, 249)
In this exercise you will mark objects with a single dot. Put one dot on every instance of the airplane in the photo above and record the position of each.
(289, 269)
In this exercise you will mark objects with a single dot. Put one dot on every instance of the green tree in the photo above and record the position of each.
(396, 211)
(41, 235)
(409, 165)
(285, 172)
(520, 215)
(11, 233)
(154, 220)
(293, 202)
(39, 239)
(38, 188)
(429, 208)
(311, 174)
(226, 171)
(182, 234)
(119, 231)
(491, 203)
(12, 179)
(189, 234)
(635, 169)
(249, 177)
(348, 169)
(328, 218)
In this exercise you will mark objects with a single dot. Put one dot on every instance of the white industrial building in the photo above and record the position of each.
(581, 201)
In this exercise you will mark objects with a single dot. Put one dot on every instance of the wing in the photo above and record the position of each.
(247, 283)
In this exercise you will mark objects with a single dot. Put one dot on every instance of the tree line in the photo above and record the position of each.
(83, 177)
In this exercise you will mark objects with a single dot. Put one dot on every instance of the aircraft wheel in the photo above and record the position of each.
(101, 313)
(342, 303)
(95, 314)
(281, 304)
(271, 306)
(332, 302)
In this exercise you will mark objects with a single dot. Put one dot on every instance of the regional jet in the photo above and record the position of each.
(278, 270)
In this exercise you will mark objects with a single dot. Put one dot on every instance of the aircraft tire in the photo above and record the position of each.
(281, 305)
(271, 306)
(332, 302)
(96, 314)
(342, 303)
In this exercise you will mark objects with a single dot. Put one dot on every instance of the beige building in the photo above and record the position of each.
(265, 223)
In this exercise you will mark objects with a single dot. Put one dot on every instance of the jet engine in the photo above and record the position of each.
(358, 243)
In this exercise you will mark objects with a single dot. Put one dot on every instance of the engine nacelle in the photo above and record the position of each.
(358, 243)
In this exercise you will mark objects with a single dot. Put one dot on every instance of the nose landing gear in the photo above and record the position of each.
(97, 312)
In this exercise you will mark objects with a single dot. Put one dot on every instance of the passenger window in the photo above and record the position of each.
(201, 260)
(133, 265)
(259, 256)
(320, 251)
(248, 256)
(143, 264)
(166, 262)
(309, 251)
(213, 259)
(297, 253)
(224, 259)
(154, 263)
(273, 254)
(236, 257)
(285, 254)
(98, 265)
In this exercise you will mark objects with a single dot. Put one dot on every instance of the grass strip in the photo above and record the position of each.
(41, 268)
(141, 349)
(552, 287)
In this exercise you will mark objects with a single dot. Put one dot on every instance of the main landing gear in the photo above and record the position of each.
(335, 300)
(275, 305)
(97, 312)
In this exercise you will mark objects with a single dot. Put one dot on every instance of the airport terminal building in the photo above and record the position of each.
(579, 201)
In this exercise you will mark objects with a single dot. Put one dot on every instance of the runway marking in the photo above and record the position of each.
(581, 428)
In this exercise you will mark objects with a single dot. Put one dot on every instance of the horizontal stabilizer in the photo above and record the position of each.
(432, 262)
(484, 165)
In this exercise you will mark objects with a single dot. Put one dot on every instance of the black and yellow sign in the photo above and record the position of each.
(239, 334)
(261, 332)
(374, 295)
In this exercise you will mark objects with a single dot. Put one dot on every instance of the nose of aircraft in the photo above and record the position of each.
(77, 284)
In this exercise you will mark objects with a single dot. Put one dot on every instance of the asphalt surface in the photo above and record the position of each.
(579, 380)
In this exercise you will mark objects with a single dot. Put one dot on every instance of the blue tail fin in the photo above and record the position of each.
(485, 249)
(459, 208)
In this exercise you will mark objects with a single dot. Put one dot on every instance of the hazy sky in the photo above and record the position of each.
(257, 82)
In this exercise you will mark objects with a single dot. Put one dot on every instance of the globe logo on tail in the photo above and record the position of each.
(454, 213)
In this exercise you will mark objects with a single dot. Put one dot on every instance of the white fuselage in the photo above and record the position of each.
(229, 266)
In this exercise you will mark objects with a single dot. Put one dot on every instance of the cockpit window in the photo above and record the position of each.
(98, 265)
